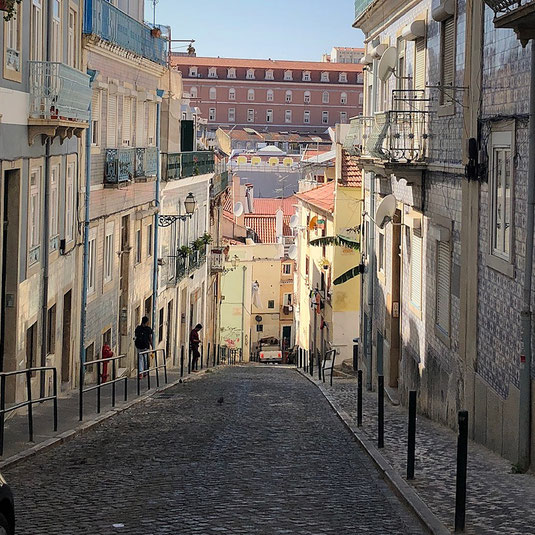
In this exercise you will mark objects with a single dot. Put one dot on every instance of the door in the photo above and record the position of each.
(286, 341)
(394, 335)
(124, 284)
(66, 342)
(170, 330)
(186, 136)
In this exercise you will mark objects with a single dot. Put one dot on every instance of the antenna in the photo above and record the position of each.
(154, 2)
(385, 211)
(387, 65)
(238, 209)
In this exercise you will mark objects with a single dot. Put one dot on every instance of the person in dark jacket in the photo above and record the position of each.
(143, 342)
(194, 343)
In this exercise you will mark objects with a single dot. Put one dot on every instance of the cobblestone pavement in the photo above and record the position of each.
(273, 458)
(498, 501)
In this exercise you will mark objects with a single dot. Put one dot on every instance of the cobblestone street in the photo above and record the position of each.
(272, 458)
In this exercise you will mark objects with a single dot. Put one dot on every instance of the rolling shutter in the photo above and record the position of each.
(127, 122)
(419, 63)
(416, 270)
(443, 286)
(448, 59)
(140, 124)
(111, 141)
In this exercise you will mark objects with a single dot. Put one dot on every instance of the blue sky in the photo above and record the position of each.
(277, 29)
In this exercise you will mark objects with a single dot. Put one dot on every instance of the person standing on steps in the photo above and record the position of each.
(194, 343)
(143, 342)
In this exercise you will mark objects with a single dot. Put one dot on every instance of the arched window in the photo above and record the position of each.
(343, 98)
(288, 96)
(307, 97)
(250, 94)
(250, 74)
(213, 93)
(325, 97)
(288, 75)
(232, 94)
(269, 95)
(193, 92)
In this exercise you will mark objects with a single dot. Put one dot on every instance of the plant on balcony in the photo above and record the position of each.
(9, 6)
(185, 251)
(206, 238)
(195, 165)
(198, 244)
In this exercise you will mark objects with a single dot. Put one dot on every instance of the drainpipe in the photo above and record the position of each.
(524, 431)
(159, 92)
(87, 193)
(243, 314)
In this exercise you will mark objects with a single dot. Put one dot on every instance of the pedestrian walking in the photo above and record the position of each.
(143, 342)
(194, 342)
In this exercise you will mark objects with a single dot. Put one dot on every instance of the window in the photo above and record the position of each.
(306, 76)
(72, 52)
(250, 94)
(419, 63)
(361, 99)
(232, 94)
(127, 122)
(381, 253)
(149, 240)
(447, 60)
(161, 325)
(213, 93)
(139, 245)
(51, 330)
(288, 76)
(286, 269)
(443, 278)
(69, 202)
(95, 118)
(250, 116)
(259, 328)
(140, 123)
(307, 97)
(212, 72)
(269, 95)
(111, 136)
(36, 34)
(306, 117)
(269, 116)
(211, 114)
(269, 75)
(193, 92)
(416, 270)
(231, 115)
(501, 190)
(342, 77)
(324, 76)
(271, 303)
(250, 74)
(325, 117)
(343, 117)
(108, 253)
(34, 215)
(151, 130)
(288, 116)
(56, 31)
(54, 208)
(31, 347)
(360, 78)
(325, 97)
(288, 96)
(287, 300)
(343, 98)
(193, 72)
(92, 261)
(231, 73)
(12, 45)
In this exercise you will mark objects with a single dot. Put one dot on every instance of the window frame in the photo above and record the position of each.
(53, 220)
(233, 114)
(212, 94)
(92, 262)
(270, 95)
(447, 103)
(10, 72)
(250, 115)
(231, 73)
(412, 274)
(307, 97)
(232, 93)
(193, 72)
(109, 246)
(306, 76)
(288, 96)
(70, 197)
(269, 116)
(343, 98)
(443, 332)
(288, 116)
(324, 117)
(250, 75)
(34, 216)
(250, 95)
(212, 72)
(342, 77)
(212, 114)
(306, 116)
(269, 75)
(288, 76)
(325, 97)
(36, 31)
(325, 76)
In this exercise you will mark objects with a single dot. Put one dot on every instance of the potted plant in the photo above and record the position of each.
(185, 251)
(198, 244)
(206, 238)
(9, 6)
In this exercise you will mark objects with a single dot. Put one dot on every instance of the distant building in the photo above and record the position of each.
(342, 54)
(272, 95)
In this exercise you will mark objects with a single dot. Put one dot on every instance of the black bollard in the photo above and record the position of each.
(355, 356)
(411, 443)
(311, 363)
(189, 361)
(462, 462)
(359, 399)
(381, 411)
(319, 366)
(202, 355)
(181, 361)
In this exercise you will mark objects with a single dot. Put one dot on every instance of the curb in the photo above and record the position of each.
(85, 426)
(403, 490)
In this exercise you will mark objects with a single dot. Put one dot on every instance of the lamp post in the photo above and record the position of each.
(190, 204)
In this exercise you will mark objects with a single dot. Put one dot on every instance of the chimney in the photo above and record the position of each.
(279, 214)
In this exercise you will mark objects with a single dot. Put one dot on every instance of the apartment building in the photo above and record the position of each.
(344, 54)
(272, 95)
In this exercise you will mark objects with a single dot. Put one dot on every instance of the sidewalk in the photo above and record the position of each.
(498, 501)
(17, 445)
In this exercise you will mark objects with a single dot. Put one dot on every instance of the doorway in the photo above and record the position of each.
(395, 350)
(286, 340)
(66, 341)
(170, 331)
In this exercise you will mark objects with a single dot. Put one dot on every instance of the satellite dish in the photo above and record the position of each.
(238, 209)
(292, 252)
(387, 65)
(385, 211)
(294, 220)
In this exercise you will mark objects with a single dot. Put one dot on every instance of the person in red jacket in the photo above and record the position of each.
(107, 353)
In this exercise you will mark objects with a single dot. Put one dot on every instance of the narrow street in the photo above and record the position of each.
(272, 458)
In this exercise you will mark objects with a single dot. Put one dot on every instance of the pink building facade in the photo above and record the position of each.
(294, 96)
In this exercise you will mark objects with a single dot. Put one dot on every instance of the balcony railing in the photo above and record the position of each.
(361, 6)
(146, 162)
(187, 164)
(219, 184)
(58, 92)
(502, 7)
(122, 165)
(356, 142)
(113, 25)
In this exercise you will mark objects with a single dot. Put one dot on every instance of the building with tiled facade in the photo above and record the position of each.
(272, 95)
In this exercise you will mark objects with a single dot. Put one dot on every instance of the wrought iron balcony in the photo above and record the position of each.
(110, 24)
(219, 184)
(146, 162)
(188, 164)
(120, 165)
(359, 132)
(518, 15)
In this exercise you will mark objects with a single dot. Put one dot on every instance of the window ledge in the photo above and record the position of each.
(415, 310)
(500, 265)
(446, 109)
(442, 336)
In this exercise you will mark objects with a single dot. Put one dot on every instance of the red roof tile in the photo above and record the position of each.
(351, 174)
(321, 197)
(265, 227)
(270, 206)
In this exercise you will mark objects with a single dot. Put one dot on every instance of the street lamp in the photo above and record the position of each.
(189, 204)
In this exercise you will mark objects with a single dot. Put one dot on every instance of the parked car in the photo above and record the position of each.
(269, 350)
(7, 510)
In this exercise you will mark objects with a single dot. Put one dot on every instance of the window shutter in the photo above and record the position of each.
(443, 286)
(419, 63)
(112, 122)
(140, 124)
(152, 124)
(127, 121)
(448, 59)
(416, 270)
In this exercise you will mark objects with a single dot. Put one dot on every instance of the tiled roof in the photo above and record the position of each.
(266, 64)
(351, 174)
(270, 206)
(265, 227)
(321, 197)
(240, 134)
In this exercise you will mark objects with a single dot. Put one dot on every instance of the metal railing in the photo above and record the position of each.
(122, 165)
(361, 6)
(146, 162)
(29, 372)
(58, 92)
(179, 165)
(113, 25)
(328, 364)
(219, 184)
(502, 7)
(146, 371)
(231, 356)
(102, 365)
(356, 142)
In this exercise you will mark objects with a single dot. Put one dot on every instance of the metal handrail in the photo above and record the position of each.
(331, 353)
(156, 368)
(29, 402)
(101, 384)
